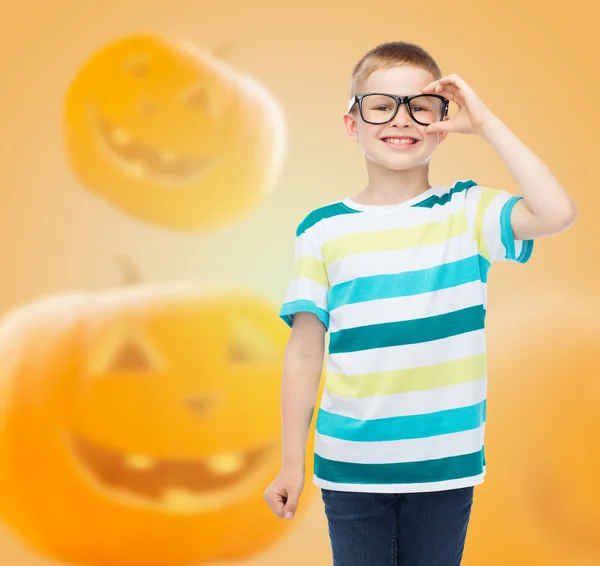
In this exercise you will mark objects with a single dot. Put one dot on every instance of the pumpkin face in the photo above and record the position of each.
(540, 503)
(142, 425)
(169, 134)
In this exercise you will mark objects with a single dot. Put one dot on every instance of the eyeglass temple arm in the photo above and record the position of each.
(351, 103)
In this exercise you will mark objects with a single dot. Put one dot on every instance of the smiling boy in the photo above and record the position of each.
(398, 276)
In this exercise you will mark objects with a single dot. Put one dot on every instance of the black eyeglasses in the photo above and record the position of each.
(381, 107)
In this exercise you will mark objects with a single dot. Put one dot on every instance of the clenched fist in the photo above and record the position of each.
(283, 493)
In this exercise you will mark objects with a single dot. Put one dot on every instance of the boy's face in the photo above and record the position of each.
(404, 81)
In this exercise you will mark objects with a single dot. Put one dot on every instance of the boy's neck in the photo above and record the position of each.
(389, 187)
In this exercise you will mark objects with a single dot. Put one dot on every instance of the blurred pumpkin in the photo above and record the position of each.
(170, 134)
(540, 503)
(141, 425)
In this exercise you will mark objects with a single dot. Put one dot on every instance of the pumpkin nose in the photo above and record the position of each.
(201, 404)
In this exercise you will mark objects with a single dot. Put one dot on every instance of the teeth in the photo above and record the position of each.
(397, 141)
(179, 500)
(226, 463)
(139, 462)
(120, 137)
(136, 169)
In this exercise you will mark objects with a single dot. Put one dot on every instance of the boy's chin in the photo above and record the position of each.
(395, 164)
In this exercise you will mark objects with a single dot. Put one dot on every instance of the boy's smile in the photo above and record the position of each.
(401, 143)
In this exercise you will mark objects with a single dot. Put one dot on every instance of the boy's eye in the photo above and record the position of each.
(417, 108)
(382, 108)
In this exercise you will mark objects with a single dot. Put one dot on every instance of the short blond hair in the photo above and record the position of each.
(392, 54)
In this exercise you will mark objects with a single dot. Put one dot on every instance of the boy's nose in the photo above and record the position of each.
(402, 116)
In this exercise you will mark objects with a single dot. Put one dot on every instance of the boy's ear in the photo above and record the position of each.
(351, 127)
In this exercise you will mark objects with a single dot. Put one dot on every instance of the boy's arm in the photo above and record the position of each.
(302, 368)
(545, 208)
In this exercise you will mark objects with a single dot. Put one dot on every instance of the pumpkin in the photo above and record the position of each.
(170, 134)
(540, 503)
(141, 425)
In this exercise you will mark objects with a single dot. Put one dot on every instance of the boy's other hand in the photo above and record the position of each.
(283, 493)
(472, 115)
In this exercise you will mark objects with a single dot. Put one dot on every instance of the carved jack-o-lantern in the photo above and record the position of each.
(142, 425)
(170, 134)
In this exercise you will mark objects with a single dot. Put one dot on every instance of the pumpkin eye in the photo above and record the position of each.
(249, 344)
(126, 353)
(131, 356)
(238, 354)
(138, 65)
(199, 98)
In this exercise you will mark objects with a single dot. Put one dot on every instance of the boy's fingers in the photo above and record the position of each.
(291, 506)
(275, 502)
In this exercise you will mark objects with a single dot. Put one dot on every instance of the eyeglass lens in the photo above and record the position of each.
(379, 108)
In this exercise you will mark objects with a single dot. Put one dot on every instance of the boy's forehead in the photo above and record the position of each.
(403, 80)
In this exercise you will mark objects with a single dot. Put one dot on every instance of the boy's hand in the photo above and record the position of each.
(282, 495)
(472, 115)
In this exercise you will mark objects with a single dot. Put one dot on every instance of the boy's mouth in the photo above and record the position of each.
(400, 142)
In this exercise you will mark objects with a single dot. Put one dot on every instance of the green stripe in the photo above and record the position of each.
(391, 382)
(311, 268)
(328, 211)
(446, 197)
(395, 239)
(407, 331)
(440, 469)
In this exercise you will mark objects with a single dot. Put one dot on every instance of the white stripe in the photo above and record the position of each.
(303, 288)
(345, 224)
(472, 197)
(518, 247)
(399, 451)
(400, 487)
(368, 264)
(410, 307)
(492, 227)
(306, 245)
(408, 355)
(407, 403)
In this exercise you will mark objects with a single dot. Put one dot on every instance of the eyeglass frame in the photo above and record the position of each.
(357, 98)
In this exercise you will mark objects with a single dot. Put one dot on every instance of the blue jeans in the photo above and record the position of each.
(398, 529)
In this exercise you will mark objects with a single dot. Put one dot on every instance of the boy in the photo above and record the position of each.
(398, 275)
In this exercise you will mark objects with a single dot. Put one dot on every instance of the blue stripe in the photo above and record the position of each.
(401, 428)
(508, 238)
(288, 310)
(439, 469)
(484, 267)
(392, 285)
(328, 211)
(387, 334)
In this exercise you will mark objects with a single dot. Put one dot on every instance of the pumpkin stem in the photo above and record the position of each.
(131, 273)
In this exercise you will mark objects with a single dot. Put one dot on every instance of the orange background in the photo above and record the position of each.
(534, 64)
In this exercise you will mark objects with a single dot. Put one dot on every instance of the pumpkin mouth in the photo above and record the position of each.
(173, 484)
(142, 161)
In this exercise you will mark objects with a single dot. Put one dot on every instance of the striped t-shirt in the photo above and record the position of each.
(402, 291)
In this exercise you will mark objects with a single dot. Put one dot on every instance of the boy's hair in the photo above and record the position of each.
(392, 54)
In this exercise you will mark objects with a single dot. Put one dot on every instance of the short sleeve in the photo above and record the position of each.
(309, 286)
(489, 218)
